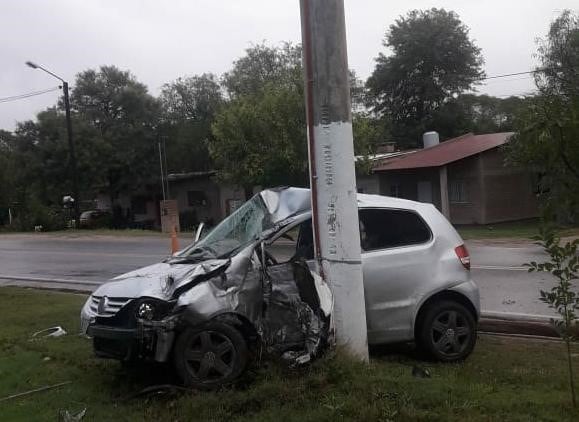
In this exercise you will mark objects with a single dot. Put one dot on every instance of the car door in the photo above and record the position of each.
(397, 257)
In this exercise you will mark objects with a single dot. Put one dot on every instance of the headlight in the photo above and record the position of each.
(146, 311)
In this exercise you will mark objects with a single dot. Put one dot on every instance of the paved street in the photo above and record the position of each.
(505, 285)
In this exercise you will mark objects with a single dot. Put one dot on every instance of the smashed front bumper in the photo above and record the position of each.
(287, 306)
(143, 342)
(123, 337)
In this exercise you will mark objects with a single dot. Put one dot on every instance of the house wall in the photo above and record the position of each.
(405, 182)
(509, 191)
(467, 172)
(103, 202)
(494, 192)
(231, 197)
(211, 211)
(369, 184)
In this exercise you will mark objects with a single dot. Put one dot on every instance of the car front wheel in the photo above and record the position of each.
(211, 355)
(447, 332)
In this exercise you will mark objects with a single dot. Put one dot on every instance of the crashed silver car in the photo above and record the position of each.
(250, 286)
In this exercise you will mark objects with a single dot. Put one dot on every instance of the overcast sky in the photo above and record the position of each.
(161, 40)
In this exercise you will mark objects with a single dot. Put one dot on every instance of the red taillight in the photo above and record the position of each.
(463, 256)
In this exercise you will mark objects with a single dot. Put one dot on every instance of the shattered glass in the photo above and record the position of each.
(226, 273)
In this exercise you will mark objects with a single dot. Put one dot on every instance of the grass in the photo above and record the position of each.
(505, 379)
(524, 229)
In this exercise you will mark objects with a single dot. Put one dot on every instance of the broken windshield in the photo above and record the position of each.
(240, 228)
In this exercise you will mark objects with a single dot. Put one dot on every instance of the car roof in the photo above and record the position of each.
(285, 202)
(371, 201)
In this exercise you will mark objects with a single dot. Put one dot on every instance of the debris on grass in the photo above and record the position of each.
(36, 390)
(66, 416)
(419, 372)
(57, 331)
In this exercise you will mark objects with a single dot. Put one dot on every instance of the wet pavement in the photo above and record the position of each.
(506, 286)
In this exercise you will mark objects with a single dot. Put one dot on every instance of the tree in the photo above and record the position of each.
(563, 265)
(263, 66)
(478, 114)
(189, 108)
(260, 135)
(547, 142)
(7, 184)
(261, 140)
(432, 60)
(369, 133)
(547, 138)
(121, 118)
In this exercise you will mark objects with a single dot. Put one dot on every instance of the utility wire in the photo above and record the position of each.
(506, 75)
(28, 95)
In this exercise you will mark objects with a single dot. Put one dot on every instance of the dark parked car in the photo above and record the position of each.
(95, 219)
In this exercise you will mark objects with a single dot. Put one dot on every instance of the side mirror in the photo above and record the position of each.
(199, 232)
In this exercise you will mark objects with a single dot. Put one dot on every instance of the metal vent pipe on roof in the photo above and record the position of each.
(430, 139)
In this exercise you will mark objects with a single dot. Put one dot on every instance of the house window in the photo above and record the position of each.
(458, 192)
(196, 198)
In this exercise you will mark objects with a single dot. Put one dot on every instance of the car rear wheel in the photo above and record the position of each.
(447, 331)
(211, 355)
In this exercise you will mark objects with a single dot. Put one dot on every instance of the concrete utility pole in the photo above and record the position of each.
(332, 174)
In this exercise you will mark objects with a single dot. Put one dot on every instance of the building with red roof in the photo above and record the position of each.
(464, 177)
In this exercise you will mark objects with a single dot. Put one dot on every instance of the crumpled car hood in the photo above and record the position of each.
(153, 281)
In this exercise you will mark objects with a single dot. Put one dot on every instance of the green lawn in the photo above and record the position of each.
(505, 379)
(511, 230)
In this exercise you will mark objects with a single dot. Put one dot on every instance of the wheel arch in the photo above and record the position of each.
(443, 295)
(240, 322)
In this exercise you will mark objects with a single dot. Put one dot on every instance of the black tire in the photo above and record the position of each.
(210, 355)
(446, 331)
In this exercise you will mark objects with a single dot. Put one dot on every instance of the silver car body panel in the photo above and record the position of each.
(397, 280)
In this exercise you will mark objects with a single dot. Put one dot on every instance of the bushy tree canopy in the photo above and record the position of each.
(260, 135)
(431, 60)
(547, 139)
(189, 107)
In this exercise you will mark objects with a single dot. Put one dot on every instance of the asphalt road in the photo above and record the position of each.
(505, 285)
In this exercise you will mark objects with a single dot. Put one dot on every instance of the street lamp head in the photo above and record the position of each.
(32, 65)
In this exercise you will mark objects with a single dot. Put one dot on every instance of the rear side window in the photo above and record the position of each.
(390, 228)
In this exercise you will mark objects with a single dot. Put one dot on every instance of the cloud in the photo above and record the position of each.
(160, 41)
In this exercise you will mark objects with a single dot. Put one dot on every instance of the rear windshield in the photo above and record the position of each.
(390, 228)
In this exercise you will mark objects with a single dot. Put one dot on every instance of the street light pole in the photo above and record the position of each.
(71, 153)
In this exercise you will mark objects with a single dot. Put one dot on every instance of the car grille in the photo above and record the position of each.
(110, 307)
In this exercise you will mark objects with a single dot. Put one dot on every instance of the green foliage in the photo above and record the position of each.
(121, 119)
(369, 133)
(432, 60)
(512, 388)
(563, 265)
(547, 139)
(189, 107)
(479, 114)
(261, 139)
(260, 134)
(559, 58)
(263, 66)
(7, 183)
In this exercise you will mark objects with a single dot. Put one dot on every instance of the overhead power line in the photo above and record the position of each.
(506, 75)
(28, 95)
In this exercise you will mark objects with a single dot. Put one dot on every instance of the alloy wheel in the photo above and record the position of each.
(450, 333)
(210, 356)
